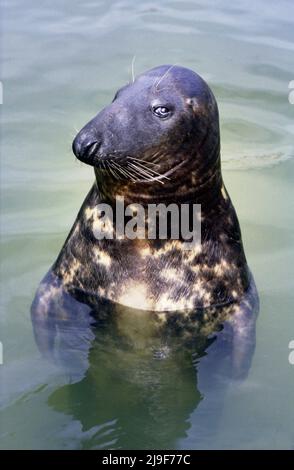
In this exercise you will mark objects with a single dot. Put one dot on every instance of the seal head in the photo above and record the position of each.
(162, 128)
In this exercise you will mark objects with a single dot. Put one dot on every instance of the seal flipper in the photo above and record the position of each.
(61, 324)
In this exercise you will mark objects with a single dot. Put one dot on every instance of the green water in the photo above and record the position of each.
(62, 62)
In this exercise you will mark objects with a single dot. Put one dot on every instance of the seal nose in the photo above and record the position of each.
(85, 147)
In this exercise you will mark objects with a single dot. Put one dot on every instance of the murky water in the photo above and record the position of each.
(62, 62)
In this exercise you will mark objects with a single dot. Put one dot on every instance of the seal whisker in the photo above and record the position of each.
(112, 172)
(140, 171)
(133, 68)
(142, 161)
(156, 156)
(110, 169)
(118, 170)
(163, 76)
(126, 171)
(123, 171)
(129, 172)
(151, 171)
(115, 172)
(147, 176)
(115, 169)
(135, 171)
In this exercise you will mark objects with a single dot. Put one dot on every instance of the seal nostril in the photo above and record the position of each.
(83, 149)
(91, 148)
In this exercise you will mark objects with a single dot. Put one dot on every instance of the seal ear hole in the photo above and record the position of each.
(193, 103)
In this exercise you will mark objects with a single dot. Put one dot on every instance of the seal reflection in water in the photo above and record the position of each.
(157, 142)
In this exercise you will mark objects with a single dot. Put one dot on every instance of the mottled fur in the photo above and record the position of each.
(179, 289)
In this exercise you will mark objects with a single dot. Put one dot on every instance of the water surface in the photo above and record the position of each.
(62, 62)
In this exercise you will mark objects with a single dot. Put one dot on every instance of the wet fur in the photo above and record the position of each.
(191, 293)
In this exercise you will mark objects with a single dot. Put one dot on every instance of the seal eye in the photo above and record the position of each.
(161, 111)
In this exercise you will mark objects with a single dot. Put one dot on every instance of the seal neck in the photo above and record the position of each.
(195, 179)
